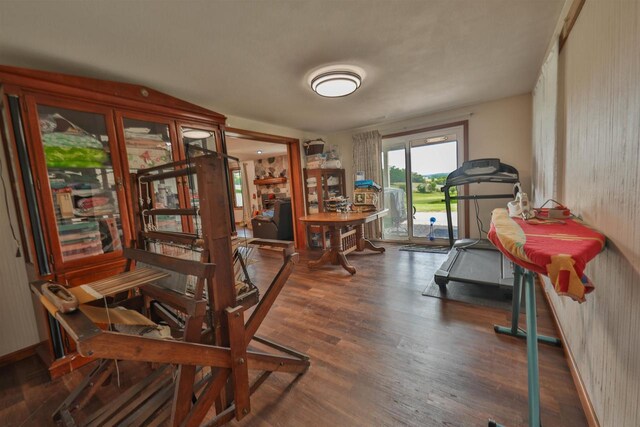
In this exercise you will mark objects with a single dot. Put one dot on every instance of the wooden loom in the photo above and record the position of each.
(208, 324)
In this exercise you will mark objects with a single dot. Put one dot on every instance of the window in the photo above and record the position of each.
(236, 176)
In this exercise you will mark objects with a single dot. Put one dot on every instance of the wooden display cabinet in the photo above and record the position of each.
(72, 143)
(328, 183)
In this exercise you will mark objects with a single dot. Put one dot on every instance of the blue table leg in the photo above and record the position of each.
(514, 330)
(533, 379)
(532, 351)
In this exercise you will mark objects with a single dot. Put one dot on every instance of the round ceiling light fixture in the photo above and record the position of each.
(335, 83)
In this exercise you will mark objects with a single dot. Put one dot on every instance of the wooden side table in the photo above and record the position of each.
(343, 243)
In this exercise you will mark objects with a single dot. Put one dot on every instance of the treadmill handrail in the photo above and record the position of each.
(487, 170)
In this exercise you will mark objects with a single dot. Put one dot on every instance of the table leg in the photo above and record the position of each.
(514, 330)
(342, 259)
(326, 258)
(362, 243)
(336, 245)
(533, 379)
(335, 255)
(532, 351)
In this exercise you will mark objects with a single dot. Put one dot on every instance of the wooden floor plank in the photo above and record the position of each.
(381, 354)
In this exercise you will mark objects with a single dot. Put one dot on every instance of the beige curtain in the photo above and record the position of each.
(367, 157)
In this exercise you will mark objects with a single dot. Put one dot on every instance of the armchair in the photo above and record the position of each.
(280, 227)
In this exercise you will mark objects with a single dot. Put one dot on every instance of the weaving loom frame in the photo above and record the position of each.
(222, 346)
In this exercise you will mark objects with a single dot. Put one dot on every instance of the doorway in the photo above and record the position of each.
(415, 167)
(268, 173)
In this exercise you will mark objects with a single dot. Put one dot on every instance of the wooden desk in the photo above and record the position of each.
(343, 243)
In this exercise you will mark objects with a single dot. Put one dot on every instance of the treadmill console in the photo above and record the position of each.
(481, 167)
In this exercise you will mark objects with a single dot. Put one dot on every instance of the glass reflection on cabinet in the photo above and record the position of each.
(81, 177)
(193, 139)
(148, 144)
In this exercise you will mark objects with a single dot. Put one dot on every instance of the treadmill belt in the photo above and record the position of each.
(480, 266)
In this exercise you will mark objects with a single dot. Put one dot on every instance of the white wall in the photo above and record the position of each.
(599, 176)
(17, 319)
(500, 128)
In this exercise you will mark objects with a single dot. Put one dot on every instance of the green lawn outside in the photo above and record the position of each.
(429, 202)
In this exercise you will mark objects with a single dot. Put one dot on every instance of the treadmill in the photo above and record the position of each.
(476, 260)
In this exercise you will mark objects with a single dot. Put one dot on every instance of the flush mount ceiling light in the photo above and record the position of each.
(196, 133)
(259, 151)
(335, 83)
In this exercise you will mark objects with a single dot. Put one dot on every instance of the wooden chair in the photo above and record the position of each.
(207, 323)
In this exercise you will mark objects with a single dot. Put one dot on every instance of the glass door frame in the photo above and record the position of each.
(52, 240)
(216, 133)
(120, 116)
(461, 130)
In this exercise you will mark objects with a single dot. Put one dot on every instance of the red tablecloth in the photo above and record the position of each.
(558, 250)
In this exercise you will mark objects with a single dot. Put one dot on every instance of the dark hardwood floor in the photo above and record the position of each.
(381, 355)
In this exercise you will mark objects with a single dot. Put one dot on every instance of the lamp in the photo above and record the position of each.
(334, 84)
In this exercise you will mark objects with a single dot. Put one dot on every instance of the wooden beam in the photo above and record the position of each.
(239, 371)
(179, 265)
(113, 345)
(269, 298)
(176, 300)
(570, 20)
(181, 404)
(206, 399)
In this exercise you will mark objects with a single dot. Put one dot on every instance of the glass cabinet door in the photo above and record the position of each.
(82, 182)
(332, 185)
(193, 138)
(148, 144)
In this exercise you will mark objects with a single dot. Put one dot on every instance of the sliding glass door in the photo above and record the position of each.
(414, 169)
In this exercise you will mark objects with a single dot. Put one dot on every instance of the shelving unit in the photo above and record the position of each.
(269, 181)
(320, 185)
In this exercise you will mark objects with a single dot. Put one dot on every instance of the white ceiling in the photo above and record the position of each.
(246, 149)
(252, 58)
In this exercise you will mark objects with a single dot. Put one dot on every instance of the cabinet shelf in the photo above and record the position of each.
(269, 181)
(317, 194)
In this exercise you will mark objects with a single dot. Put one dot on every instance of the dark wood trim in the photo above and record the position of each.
(67, 364)
(258, 136)
(184, 266)
(427, 129)
(232, 189)
(295, 178)
(109, 91)
(587, 406)
(465, 155)
(18, 355)
(295, 163)
(570, 20)
(15, 182)
(267, 181)
(45, 192)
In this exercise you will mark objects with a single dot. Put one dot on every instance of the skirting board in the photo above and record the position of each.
(587, 406)
(18, 355)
